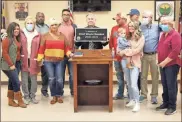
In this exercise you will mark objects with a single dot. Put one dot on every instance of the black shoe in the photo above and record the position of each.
(45, 94)
(71, 93)
(170, 111)
(117, 97)
(161, 107)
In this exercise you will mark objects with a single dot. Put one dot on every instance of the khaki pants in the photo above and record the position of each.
(149, 60)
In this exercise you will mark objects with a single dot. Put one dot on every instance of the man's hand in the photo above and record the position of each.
(71, 55)
(162, 64)
(40, 63)
(12, 67)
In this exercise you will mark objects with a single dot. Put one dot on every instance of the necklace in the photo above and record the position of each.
(56, 37)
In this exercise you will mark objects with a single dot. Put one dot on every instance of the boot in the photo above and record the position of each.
(11, 101)
(54, 100)
(59, 99)
(18, 96)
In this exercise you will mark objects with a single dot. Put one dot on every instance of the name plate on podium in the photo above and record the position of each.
(91, 34)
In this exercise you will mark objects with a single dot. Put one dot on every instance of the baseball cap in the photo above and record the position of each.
(53, 21)
(134, 12)
(119, 15)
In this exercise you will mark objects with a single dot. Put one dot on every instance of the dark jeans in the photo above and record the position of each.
(170, 85)
(54, 72)
(70, 71)
(139, 82)
(45, 79)
(14, 82)
(120, 78)
(29, 80)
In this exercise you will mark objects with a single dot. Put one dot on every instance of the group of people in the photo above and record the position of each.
(138, 46)
(134, 44)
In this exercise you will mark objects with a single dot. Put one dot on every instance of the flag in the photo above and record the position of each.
(3, 15)
(180, 19)
(70, 7)
(180, 24)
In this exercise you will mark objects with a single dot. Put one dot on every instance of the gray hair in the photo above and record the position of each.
(147, 13)
(91, 14)
(168, 19)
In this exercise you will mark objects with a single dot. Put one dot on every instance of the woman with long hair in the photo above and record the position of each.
(52, 49)
(136, 40)
(10, 64)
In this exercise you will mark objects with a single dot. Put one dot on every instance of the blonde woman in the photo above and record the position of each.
(52, 49)
(30, 39)
(136, 40)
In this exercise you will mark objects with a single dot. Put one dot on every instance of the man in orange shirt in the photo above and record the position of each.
(121, 23)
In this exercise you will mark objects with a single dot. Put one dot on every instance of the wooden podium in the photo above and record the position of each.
(93, 65)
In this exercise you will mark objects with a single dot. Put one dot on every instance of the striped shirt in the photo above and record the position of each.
(53, 49)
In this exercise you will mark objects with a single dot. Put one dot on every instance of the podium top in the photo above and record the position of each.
(93, 55)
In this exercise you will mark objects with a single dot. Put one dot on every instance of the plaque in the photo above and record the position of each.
(91, 34)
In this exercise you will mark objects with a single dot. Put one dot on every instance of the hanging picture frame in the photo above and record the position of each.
(21, 10)
(164, 8)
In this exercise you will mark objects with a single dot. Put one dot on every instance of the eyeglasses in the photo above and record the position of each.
(144, 17)
(66, 15)
(30, 23)
(90, 18)
(164, 23)
(54, 25)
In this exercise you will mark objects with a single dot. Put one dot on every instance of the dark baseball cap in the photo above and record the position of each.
(134, 12)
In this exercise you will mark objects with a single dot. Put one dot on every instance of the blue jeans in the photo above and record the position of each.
(14, 82)
(131, 76)
(170, 86)
(70, 71)
(119, 75)
(54, 72)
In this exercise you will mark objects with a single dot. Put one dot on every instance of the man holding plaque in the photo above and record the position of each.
(90, 44)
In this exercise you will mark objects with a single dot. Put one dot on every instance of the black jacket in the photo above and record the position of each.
(85, 45)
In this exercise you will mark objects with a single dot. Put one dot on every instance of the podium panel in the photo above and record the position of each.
(93, 65)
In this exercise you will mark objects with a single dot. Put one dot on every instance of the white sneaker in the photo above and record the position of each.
(27, 101)
(130, 104)
(136, 107)
(34, 101)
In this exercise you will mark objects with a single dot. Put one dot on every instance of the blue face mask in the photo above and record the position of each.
(165, 28)
(29, 27)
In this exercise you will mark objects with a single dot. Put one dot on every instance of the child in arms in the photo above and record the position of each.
(122, 44)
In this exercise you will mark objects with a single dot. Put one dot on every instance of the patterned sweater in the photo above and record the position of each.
(53, 49)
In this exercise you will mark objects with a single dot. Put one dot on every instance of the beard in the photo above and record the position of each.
(41, 22)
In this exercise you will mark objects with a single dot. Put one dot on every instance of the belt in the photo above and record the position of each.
(151, 53)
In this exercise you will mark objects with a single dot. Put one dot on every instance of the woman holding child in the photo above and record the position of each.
(132, 53)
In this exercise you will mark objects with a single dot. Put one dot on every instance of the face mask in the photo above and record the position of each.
(29, 27)
(145, 21)
(165, 28)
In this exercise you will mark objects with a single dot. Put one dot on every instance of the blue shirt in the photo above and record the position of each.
(42, 29)
(122, 43)
(151, 34)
